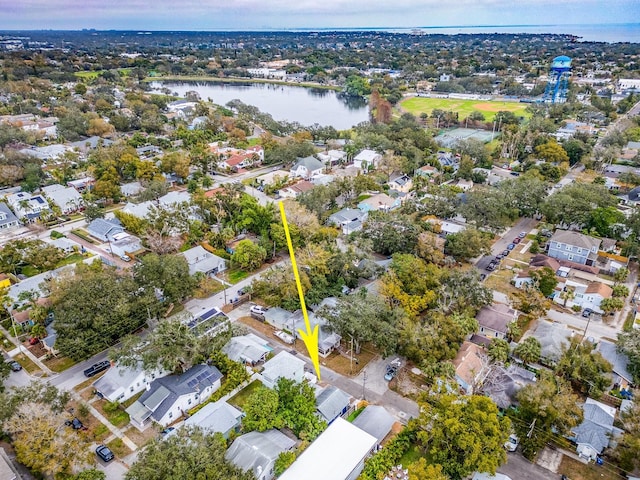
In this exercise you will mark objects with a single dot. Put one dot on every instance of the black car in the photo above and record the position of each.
(97, 368)
(505, 253)
(14, 366)
(587, 312)
(104, 453)
(491, 267)
(75, 423)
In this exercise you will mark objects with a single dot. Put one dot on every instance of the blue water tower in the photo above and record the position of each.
(556, 91)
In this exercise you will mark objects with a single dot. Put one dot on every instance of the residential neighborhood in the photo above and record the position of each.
(198, 288)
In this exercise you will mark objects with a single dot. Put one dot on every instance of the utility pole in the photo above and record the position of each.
(530, 432)
(364, 382)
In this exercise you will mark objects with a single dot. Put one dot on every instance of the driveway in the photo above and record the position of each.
(523, 225)
(519, 468)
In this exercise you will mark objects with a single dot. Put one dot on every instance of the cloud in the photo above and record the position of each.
(237, 14)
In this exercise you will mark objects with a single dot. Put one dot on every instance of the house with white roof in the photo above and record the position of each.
(67, 199)
(249, 349)
(379, 202)
(139, 210)
(121, 383)
(283, 365)
(131, 189)
(202, 261)
(332, 157)
(28, 207)
(168, 398)
(337, 454)
(367, 160)
(125, 244)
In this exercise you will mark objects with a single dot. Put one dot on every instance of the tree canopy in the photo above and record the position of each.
(190, 453)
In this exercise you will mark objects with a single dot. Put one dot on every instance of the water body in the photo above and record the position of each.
(283, 102)
(604, 32)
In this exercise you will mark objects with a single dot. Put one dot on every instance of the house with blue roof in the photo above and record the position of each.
(592, 436)
(170, 397)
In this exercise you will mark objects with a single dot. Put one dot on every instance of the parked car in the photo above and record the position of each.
(511, 444)
(104, 453)
(505, 253)
(14, 366)
(125, 258)
(75, 423)
(97, 368)
(483, 276)
(491, 267)
(499, 257)
(258, 309)
(167, 431)
(284, 336)
(517, 240)
(34, 340)
(511, 246)
(522, 234)
(587, 312)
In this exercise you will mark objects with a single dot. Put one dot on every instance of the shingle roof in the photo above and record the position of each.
(346, 215)
(596, 426)
(331, 401)
(163, 392)
(552, 337)
(256, 451)
(600, 288)
(247, 348)
(8, 216)
(283, 365)
(101, 228)
(376, 421)
(216, 417)
(576, 239)
(496, 317)
(619, 361)
(310, 163)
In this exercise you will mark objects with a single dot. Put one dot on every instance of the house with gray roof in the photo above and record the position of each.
(66, 245)
(574, 247)
(217, 417)
(554, 337)
(621, 378)
(139, 210)
(67, 199)
(331, 403)
(592, 436)
(494, 320)
(202, 261)
(376, 421)
(130, 189)
(91, 143)
(258, 452)
(104, 230)
(121, 383)
(348, 219)
(168, 398)
(249, 349)
(7, 217)
(307, 167)
(283, 365)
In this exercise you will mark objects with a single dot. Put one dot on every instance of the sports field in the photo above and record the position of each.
(418, 105)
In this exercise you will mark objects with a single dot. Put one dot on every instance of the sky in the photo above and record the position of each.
(285, 14)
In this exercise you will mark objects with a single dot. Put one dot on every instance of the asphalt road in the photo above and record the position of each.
(519, 468)
(523, 225)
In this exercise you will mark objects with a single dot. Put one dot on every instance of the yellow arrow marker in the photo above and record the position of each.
(310, 337)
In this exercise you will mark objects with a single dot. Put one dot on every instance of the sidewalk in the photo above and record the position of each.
(25, 351)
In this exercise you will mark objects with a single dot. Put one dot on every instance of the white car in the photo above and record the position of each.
(511, 444)
(258, 310)
(284, 336)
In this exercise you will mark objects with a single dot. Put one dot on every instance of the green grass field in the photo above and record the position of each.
(418, 105)
(91, 75)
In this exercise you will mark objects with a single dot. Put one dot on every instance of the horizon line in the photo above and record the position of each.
(312, 29)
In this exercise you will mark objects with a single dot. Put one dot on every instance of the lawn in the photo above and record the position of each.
(118, 448)
(26, 363)
(59, 364)
(577, 470)
(240, 398)
(234, 275)
(73, 258)
(91, 75)
(418, 105)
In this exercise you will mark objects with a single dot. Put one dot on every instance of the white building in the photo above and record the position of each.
(28, 207)
(283, 365)
(201, 261)
(121, 383)
(337, 454)
(367, 159)
(67, 199)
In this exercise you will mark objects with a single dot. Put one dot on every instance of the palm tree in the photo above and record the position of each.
(529, 350)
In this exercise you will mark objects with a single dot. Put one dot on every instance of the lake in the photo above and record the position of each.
(283, 102)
